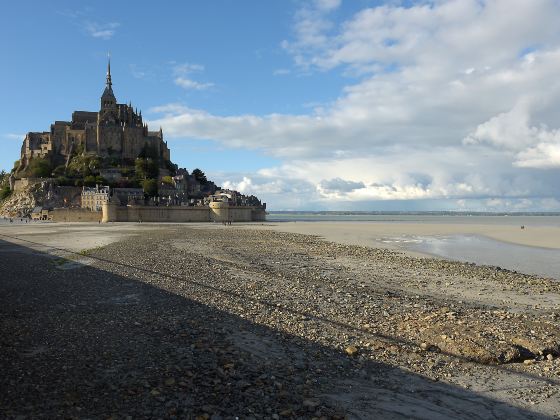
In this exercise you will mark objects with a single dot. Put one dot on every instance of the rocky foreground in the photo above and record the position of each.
(231, 323)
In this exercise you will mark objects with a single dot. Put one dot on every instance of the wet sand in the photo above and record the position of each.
(373, 233)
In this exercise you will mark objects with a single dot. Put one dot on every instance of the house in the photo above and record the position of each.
(94, 198)
(41, 213)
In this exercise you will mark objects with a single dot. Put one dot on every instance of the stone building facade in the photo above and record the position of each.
(93, 198)
(116, 130)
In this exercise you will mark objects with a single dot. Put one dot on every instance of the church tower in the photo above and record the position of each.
(109, 132)
(108, 100)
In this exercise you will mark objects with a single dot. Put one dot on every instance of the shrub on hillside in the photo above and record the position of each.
(59, 170)
(39, 168)
(64, 181)
(90, 181)
(5, 192)
(146, 168)
(150, 187)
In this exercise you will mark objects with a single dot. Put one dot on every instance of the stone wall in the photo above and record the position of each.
(70, 196)
(23, 183)
(181, 214)
(75, 215)
(177, 214)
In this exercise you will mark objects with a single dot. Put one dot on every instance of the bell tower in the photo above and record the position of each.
(108, 100)
(109, 131)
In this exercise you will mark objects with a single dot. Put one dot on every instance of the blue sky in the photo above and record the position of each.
(319, 104)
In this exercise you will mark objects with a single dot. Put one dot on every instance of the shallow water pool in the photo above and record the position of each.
(481, 250)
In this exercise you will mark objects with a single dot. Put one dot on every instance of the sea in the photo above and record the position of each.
(467, 248)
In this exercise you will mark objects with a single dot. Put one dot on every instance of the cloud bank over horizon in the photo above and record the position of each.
(451, 102)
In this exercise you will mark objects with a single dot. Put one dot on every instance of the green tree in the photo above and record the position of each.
(146, 168)
(4, 185)
(39, 168)
(77, 149)
(150, 187)
(62, 180)
(5, 192)
(59, 170)
(167, 180)
(93, 163)
(171, 167)
(82, 165)
(90, 181)
(149, 152)
(199, 176)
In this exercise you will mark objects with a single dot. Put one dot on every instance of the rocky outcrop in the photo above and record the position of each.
(21, 203)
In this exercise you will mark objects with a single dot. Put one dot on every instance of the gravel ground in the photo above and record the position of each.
(176, 322)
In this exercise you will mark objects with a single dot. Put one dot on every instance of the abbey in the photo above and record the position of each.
(115, 131)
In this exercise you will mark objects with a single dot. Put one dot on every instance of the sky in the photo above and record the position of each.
(311, 105)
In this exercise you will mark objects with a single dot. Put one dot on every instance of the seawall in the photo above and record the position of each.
(216, 212)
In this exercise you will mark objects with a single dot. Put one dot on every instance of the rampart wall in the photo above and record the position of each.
(75, 215)
(181, 214)
(23, 183)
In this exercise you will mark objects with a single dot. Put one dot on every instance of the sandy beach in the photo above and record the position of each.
(373, 233)
(157, 321)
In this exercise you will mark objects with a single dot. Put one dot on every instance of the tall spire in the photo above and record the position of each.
(109, 82)
(108, 100)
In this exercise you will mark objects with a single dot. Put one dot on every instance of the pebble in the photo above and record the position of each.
(239, 334)
(351, 350)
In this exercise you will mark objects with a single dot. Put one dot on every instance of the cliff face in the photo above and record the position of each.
(21, 203)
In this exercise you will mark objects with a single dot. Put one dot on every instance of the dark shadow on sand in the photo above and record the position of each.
(84, 342)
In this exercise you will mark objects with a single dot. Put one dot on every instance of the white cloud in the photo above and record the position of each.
(244, 186)
(169, 109)
(182, 72)
(543, 155)
(138, 72)
(534, 147)
(103, 31)
(281, 72)
(510, 130)
(186, 68)
(189, 84)
(82, 18)
(327, 5)
(454, 99)
(282, 192)
(339, 185)
(13, 136)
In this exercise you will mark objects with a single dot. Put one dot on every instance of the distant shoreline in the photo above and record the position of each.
(415, 213)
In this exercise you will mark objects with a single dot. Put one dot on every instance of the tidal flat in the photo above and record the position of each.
(483, 240)
(222, 322)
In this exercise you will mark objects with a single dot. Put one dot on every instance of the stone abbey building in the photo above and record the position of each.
(116, 130)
